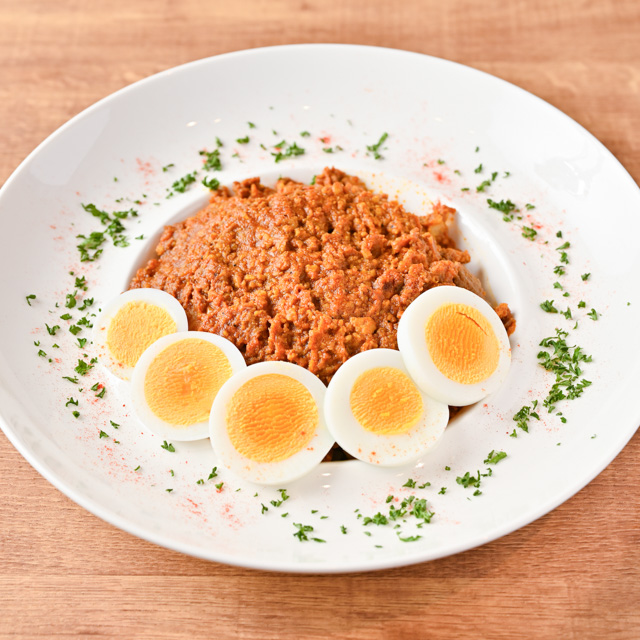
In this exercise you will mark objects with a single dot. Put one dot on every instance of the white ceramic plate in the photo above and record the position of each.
(436, 114)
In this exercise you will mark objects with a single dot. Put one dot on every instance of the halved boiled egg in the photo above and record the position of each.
(132, 322)
(176, 380)
(376, 413)
(267, 423)
(454, 345)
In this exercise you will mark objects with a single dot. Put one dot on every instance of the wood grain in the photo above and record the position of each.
(574, 573)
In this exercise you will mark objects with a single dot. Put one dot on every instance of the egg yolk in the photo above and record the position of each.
(462, 344)
(385, 401)
(183, 380)
(271, 417)
(136, 326)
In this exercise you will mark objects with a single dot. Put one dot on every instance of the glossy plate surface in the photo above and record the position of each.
(443, 121)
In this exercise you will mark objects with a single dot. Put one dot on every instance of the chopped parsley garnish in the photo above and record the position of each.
(467, 480)
(51, 330)
(564, 361)
(219, 486)
(283, 497)
(103, 434)
(211, 183)
(531, 206)
(214, 473)
(137, 468)
(529, 233)
(523, 416)
(251, 125)
(76, 414)
(375, 148)
(83, 367)
(167, 446)
(168, 166)
(559, 271)
(410, 483)
(303, 134)
(547, 306)
(30, 297)
(72, 401)
(506, 206)
(264, 509)
(212, 159)
(408, 538)
(443, 490)
(478, 169)
(482, 186)
(74, 380)
(424, 486)
(585, 276)
(495, 456)
(285, 150)
(244, 140)
(70, 301)
(378, 519)
(115, 425)
(593, 314)
(343, 529)
(183, 183)
(582, 304)
(81, 341)
(66, 316)
(302, 530)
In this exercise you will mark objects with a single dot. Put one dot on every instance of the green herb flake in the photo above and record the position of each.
(585, 276)
(213, 184)
(244, 140)
(478, 169)
(214, 474)
(547, 306)
(410, 483)
(495, 456)
(505, 206)
(375, 148)
(302, 531)
(285, 151)
(529, 233)
(443, 490)
(529, 206)
(167, 167)
(30, 297)
(212, 160)
(408, 538)
(167, 446)
(593, 314)
(343, 529)
(103, 434)
(219, 486)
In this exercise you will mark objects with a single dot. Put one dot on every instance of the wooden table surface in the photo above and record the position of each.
(64, 573)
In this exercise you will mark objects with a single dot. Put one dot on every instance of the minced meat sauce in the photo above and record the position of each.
(310, 274)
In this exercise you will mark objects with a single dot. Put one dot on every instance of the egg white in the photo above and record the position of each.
(413, 347)
(380, 449)
(182, 433)
(269, 473)
(101, 324)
